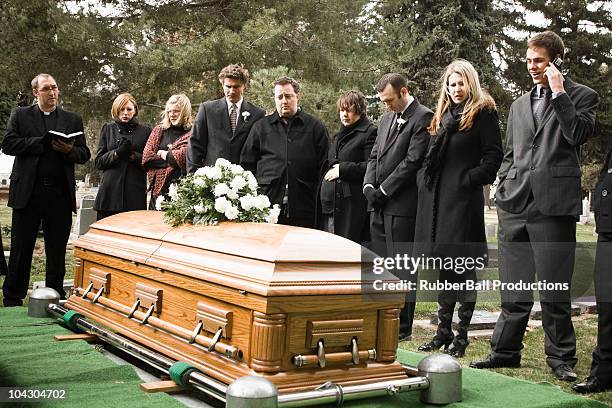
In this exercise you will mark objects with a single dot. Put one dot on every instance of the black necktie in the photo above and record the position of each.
(393, 130)
(540, 106)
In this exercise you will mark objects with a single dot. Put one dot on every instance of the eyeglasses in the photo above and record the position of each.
(48, 88)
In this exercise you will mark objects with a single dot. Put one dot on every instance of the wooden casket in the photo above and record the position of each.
(239, 299)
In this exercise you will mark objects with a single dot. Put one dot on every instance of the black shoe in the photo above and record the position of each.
(8, 302)
(457, 350)
(590, 385)
(405, 336)
(493, 362)
(564, 372)
(435, 344)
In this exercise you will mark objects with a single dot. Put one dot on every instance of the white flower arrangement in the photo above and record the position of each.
(217, 193)
(245, 115)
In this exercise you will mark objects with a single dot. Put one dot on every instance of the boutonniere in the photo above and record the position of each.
(245, 115)
(400, 122)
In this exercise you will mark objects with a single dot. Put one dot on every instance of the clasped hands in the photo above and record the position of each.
(376, 198)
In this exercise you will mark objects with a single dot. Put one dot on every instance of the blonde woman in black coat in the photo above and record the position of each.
(464, 155)
(343, 205)
(123, 185)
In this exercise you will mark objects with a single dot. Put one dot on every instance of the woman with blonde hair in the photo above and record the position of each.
(123, 184)
(164, 155)
(464, 155)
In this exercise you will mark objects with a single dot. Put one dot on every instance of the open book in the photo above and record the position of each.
(63, 136)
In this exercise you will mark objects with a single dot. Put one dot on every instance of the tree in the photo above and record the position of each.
(585, 27)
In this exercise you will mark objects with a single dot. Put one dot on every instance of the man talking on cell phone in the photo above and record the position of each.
(538, 198)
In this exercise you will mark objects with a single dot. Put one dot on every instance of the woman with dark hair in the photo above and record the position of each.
(464, 155)
(343, 205)
(164, 155)
(123, 185)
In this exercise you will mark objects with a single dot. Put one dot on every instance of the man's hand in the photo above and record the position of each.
(555, 78)
(375, 197)
(61, 146)
(333, 173)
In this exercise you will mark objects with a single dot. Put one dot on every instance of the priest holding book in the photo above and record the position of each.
(42, 185)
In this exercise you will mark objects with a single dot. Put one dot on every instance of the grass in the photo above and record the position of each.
(534, 366)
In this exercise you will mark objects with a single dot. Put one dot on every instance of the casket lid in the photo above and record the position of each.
(268, 259)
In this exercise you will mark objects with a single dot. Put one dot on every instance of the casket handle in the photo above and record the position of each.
(87, 290)
(134, 308)
(149, 313)
(215, 340)
(196, 331)
(100, 291)
(321, 353)
(354, 351)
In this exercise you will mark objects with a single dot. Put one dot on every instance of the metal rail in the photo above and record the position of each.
(328, 393)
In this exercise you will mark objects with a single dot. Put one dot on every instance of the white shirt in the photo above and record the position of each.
(238, 105)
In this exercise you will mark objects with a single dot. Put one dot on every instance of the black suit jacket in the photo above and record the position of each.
(602, 198)
(25, 132)
(393, 164)
(212, 134)
(545, 161)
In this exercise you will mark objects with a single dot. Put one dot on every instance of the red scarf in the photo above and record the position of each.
(157, 177)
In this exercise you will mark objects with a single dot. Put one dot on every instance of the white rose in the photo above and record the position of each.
(272, 218)
(238, 182)
(221, 189)
(215, 173)
(231, 212)
(261, 202)
(252, 181)
(221, 162)
(199, 208)
(202, 171)
(247, 202)
(221, 204)
(158, 202)
(173, 192)
(232, 194)
(199, 181)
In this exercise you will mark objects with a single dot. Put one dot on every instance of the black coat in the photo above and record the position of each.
(124, 184)
(351, 151)
(393, 164)
(25, 133)
(602, 198)
(278, 157)
(452, 211)
(212, 136)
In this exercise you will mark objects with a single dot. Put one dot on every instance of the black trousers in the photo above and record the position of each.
(533, 244)
(50, 205)
(601, 367)
(392, 235)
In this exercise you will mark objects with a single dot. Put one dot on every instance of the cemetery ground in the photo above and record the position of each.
(533, 364)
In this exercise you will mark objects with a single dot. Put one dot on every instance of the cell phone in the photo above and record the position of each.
(558, 63)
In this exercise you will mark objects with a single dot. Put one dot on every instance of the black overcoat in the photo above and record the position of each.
(123, 186)
(452, 211)
(351, 151)
(293, 156)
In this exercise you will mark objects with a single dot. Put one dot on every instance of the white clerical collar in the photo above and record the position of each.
(238, 104)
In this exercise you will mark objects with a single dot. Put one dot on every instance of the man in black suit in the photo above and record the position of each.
(538, 198)
(222, 126)
(286, 151)
(390, 179)
(42, 186)
(600, 377)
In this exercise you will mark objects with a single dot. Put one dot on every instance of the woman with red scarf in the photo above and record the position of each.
(164, 155)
